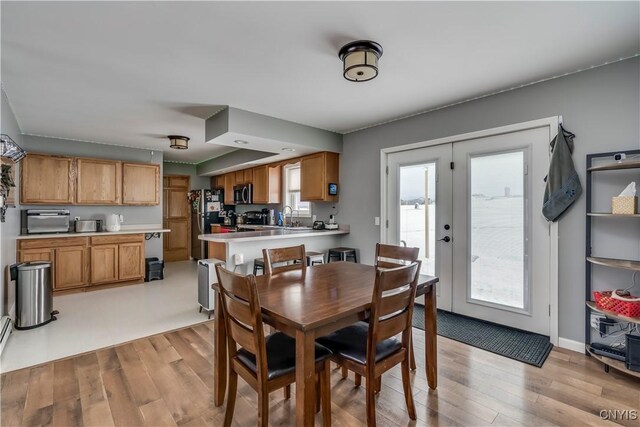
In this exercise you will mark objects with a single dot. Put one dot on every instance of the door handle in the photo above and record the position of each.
(445, 239)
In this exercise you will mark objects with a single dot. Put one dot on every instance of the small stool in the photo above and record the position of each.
(343, 254)
(258, 264)
(314, 258)
(153, 269)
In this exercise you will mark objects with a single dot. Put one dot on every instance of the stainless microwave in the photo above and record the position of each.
(243, 194)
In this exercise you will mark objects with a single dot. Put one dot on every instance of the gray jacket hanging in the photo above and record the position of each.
(562, 183)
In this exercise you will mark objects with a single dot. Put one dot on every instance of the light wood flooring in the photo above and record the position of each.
(167, 379)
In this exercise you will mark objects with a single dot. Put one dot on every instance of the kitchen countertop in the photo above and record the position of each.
(269, 234)
(141, 229)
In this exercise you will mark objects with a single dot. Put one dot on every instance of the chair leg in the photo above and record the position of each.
(287, 392)
(378, 384)
(325, 390)
(263, 407)
(318, 378)
(406, 386)
(412, 355)
(231, 397)
(345, 372)
(371, 402)
(359, 380)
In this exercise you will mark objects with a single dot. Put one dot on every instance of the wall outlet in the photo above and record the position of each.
(121, 218)
(376, 220)
(238, 259)
(76, 218)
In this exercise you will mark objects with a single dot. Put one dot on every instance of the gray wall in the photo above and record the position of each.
(601, 106)
(170, 168)
(11, 227)
(132, 214)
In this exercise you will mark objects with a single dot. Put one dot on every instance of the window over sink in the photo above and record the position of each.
(292, 191)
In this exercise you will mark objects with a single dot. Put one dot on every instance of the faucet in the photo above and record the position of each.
(284, 212)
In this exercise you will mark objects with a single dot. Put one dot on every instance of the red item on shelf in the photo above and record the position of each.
(626, 305)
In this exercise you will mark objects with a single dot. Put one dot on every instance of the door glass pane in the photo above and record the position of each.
(418, 212)
(497, 229)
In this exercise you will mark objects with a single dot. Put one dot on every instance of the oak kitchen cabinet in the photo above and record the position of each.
(316, 172)
(140, 183)
(118, 258)
(229, 182)
(47, 179)
(98, 182)
(267, 181)
(69, 258)
(61, 180)
(80, 262)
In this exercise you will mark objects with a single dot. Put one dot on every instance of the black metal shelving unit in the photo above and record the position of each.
(590, 261)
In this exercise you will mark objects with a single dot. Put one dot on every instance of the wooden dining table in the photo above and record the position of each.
(309, 305)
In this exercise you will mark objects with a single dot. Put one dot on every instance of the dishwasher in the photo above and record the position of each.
(206, 277)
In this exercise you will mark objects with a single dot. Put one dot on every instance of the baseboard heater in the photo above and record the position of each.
(6, 326)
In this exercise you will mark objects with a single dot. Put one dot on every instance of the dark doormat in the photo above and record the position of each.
(513, 343)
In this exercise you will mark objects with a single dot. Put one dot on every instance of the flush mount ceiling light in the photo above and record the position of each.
(178, 142)
(241, 142)
(291, 150)
(360, 60)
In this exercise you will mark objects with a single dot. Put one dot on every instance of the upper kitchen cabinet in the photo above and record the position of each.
(239, 177)
(229, 182)
(266, 184)
(317, 172)
(98, 182)
(140, 184)
(47, 179)
(248, 176)
(217, 182)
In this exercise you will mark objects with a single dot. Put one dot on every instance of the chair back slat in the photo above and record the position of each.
(242, 315)
(393, 326)
(394, 302)
(391, 256)
(291, 254)
(394, 293)
(242, 335)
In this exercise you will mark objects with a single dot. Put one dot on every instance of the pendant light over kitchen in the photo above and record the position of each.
(360, 60)
(178, 142)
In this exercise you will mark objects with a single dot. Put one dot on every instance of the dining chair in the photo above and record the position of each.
(372, 349)
(294, 257)
(390, 256)
(265, 363)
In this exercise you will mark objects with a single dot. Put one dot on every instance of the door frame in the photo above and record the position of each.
(552, 123)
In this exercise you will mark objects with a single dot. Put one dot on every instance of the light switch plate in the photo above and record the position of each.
(376, 220)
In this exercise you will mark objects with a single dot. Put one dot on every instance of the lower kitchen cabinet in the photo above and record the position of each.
(83, 262)
(104, 264)
(131, 261)
(70, 267)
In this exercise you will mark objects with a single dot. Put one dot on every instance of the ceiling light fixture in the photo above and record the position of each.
(291, 150)
(241, 142)
(178, 142)
(360, 60)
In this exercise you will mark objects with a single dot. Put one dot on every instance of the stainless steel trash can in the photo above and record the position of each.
(34, 294)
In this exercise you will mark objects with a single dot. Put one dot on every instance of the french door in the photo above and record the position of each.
(473, 207)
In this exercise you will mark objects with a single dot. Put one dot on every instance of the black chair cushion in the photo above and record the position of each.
(281, 355)
(351, 343)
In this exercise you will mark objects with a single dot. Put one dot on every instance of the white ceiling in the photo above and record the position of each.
(131, 73)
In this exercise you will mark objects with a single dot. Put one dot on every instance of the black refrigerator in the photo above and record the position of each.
(206, 205)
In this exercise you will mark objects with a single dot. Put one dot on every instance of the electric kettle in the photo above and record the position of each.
(113, 222)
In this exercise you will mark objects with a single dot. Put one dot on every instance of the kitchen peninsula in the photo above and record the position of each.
(249, 244)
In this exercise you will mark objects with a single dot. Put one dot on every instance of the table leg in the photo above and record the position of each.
(219, 355)
(431, 337)
(305, 378)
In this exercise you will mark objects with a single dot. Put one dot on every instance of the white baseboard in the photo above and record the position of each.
(576, 346)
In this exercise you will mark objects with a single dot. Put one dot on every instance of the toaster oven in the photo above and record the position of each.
(41, 221)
